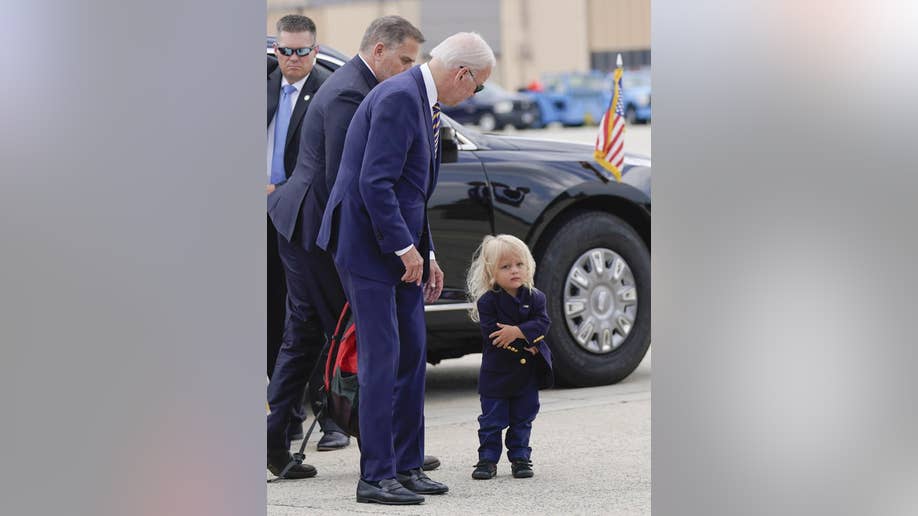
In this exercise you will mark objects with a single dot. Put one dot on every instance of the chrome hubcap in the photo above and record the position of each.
(600, 300)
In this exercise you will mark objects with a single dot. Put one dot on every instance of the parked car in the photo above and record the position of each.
(590, 236)
(583, 98)
(589, 233)
(495, 108)
(572, 98)
(636, 95)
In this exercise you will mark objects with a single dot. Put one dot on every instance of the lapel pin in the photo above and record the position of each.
(306, 97)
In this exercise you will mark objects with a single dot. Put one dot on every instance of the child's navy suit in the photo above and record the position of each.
(509, 382)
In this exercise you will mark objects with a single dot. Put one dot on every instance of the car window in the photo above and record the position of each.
(635, 81)
(553, 84)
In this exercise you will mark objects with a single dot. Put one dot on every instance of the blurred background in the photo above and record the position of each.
(554, 60)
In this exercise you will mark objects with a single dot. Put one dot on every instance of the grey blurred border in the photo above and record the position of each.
(132, 278)
(784, 242)
(132, 282)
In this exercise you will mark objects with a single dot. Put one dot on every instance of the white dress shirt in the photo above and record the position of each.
(368, 66)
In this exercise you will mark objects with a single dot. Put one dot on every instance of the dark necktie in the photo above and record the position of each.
(436, 126)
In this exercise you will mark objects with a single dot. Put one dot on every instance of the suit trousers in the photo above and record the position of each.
(517, 413)
(303, 340)
(391, 366)
(277, 312)
(317, 298)
(277, 298)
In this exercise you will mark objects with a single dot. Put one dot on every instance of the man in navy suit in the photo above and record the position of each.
(291, 86)
(375, 225)
(390, 46)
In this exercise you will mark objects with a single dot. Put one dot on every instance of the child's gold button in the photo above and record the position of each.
(522, 360)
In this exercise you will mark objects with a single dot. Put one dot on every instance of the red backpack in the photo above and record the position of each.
(341, 389)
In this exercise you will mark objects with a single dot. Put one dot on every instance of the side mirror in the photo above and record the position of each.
(449, 145)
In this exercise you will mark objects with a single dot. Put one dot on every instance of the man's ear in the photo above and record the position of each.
(378, 49)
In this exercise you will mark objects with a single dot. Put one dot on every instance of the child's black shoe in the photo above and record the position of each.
(521, 468)
(484, 470)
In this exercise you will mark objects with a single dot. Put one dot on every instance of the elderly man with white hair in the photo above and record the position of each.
(375, 226)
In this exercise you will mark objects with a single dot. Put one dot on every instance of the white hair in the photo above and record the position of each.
(466, 49)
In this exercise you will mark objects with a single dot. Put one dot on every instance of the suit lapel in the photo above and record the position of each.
(302, 102)
(428, 123)
(274, 80)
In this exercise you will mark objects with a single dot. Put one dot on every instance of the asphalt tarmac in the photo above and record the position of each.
(591, 455)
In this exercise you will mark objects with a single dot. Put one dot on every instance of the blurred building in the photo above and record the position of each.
(529, 37)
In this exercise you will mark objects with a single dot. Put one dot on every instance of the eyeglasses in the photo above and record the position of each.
(302, 52)
(478, 87)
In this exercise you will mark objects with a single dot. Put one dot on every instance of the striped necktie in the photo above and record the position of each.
(436, 126)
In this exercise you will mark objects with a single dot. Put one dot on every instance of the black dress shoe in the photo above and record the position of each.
(430, 463)
(278, 461)
(389, 492)
(417, 481)
(521, 468)
(484, 470)
(333, 441)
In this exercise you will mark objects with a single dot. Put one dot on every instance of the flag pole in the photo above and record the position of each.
(610, 141)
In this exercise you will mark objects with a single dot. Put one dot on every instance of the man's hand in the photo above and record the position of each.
(269, 188)
(434, 286)
(414, 266)
(505, 336)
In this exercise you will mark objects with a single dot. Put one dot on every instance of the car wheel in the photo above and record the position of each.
(595, 273)
(487, 122)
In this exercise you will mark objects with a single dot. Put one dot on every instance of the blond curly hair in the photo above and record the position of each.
(484, 266)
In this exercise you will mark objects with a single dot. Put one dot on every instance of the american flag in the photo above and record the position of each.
(610, 142)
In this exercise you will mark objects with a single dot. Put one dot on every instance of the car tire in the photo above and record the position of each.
(585, 235)
(487, 122)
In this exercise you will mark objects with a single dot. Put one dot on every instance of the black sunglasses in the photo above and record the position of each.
(478, 87)
(302, 52)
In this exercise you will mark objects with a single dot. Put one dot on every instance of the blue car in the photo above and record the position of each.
(578, 98)
(572, 98)
(636, 95)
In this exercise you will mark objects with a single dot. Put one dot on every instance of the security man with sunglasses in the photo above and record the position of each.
(291, 87)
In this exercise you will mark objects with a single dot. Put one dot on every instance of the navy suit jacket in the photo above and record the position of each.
(296, 207)
(502, 375)
(388, 172)
(316, 77)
